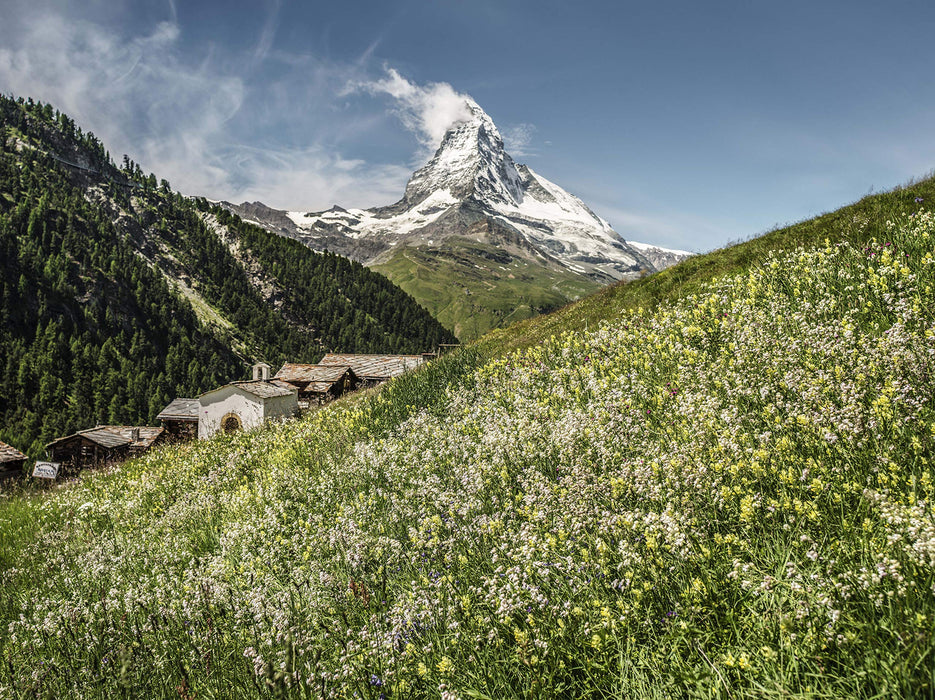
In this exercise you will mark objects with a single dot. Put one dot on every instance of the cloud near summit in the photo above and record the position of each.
(427, 111)
(243, 122)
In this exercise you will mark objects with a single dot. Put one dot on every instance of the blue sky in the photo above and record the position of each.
(687, 124)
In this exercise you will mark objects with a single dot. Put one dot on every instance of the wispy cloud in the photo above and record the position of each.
(312, 179)
(517, 139)
(268, 33)
(428, 110)
(134, 93)
(203, 123)
(250, 122)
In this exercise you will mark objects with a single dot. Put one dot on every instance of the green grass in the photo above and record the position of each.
(725, 494)
(473, 287)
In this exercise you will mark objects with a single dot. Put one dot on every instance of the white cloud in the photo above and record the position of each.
(247, 123)
(427, 111)
(265, 41)
(313, 179)
(135, 93)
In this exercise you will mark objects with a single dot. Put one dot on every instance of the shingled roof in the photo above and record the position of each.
(261, 388)
(264, 389)
(111, 436)
(296, 373)
(374, 366)
(180, 409)
(8, 453)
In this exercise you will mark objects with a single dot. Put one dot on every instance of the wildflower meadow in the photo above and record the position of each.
(729, 496)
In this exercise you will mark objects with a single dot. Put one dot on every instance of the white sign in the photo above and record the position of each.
(46, 470)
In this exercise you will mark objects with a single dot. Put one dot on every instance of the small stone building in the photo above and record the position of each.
(180, 419)
(11, 461)
(318, 383)
(244, 405)
(104, 444)
(374, 369)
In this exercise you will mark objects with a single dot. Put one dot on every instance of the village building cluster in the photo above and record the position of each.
(238, 405)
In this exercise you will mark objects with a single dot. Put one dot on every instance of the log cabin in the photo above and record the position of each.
(105, 444)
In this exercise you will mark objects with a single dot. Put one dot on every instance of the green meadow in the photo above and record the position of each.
(715, 482)
(473, 287)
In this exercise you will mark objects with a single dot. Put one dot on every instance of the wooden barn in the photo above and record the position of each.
(180, 419)
(104, 444)
(374, 369)
(318, 383)
(11, 461)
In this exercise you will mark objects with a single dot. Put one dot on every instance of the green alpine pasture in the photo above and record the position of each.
(724, 493)
(473, 287)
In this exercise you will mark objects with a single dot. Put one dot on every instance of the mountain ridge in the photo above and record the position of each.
(471, 179)
(472, 174)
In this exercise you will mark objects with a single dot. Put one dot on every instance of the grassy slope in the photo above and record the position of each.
(368, 560)
(857, 223)
(492, 289)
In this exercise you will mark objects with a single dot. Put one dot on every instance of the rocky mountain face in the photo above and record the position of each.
(472, 196)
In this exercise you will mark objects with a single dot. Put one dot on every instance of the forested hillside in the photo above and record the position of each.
(117, 294)
(351, 306)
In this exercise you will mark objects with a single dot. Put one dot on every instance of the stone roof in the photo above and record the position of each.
(318, 387)
(8, 453)
(295, 373)
(111, 436)
(261, 388)
(264, 389)
(374, 366)
(180, 409)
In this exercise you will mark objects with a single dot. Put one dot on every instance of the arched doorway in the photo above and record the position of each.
(230, 423)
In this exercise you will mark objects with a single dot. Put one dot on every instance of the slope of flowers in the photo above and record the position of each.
(730, 496)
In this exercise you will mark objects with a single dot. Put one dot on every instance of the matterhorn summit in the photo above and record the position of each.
(469, 162)
(471, 179)
(471, 212)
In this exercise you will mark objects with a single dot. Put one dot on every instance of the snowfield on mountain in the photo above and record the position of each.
(471, 169)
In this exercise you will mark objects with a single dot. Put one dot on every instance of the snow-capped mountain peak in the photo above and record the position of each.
(470, 161)
(472, 180)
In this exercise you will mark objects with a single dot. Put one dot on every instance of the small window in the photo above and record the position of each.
(231, 423)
